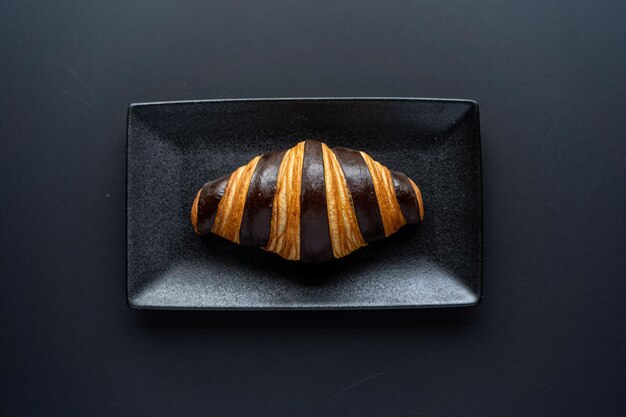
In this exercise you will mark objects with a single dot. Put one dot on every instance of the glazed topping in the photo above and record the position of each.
(257, 214)
(315, 244)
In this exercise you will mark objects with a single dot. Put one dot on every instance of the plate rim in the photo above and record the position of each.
(263, 99)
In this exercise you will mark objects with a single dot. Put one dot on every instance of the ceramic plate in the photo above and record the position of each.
(173, 148)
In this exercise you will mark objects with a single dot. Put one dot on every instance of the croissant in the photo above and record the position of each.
(308, 203)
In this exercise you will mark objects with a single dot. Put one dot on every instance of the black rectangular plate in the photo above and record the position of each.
(173, 148)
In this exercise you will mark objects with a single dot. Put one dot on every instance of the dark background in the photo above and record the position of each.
(549, 337)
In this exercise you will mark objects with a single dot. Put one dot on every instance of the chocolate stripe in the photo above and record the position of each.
(210, 196)
(257, 213)
(406, 197)
(363, 194)
(315, 245)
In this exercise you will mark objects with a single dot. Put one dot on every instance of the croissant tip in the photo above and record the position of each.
(420, 202)
(194, 212)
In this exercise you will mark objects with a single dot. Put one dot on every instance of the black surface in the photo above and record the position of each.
(548, 338)
(174, 148)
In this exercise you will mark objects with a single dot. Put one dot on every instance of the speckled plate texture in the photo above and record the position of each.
(173, 148)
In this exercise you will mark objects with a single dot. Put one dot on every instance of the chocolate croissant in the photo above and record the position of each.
(308, 203)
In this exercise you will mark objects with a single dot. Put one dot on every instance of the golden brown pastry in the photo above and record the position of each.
(308, 203)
